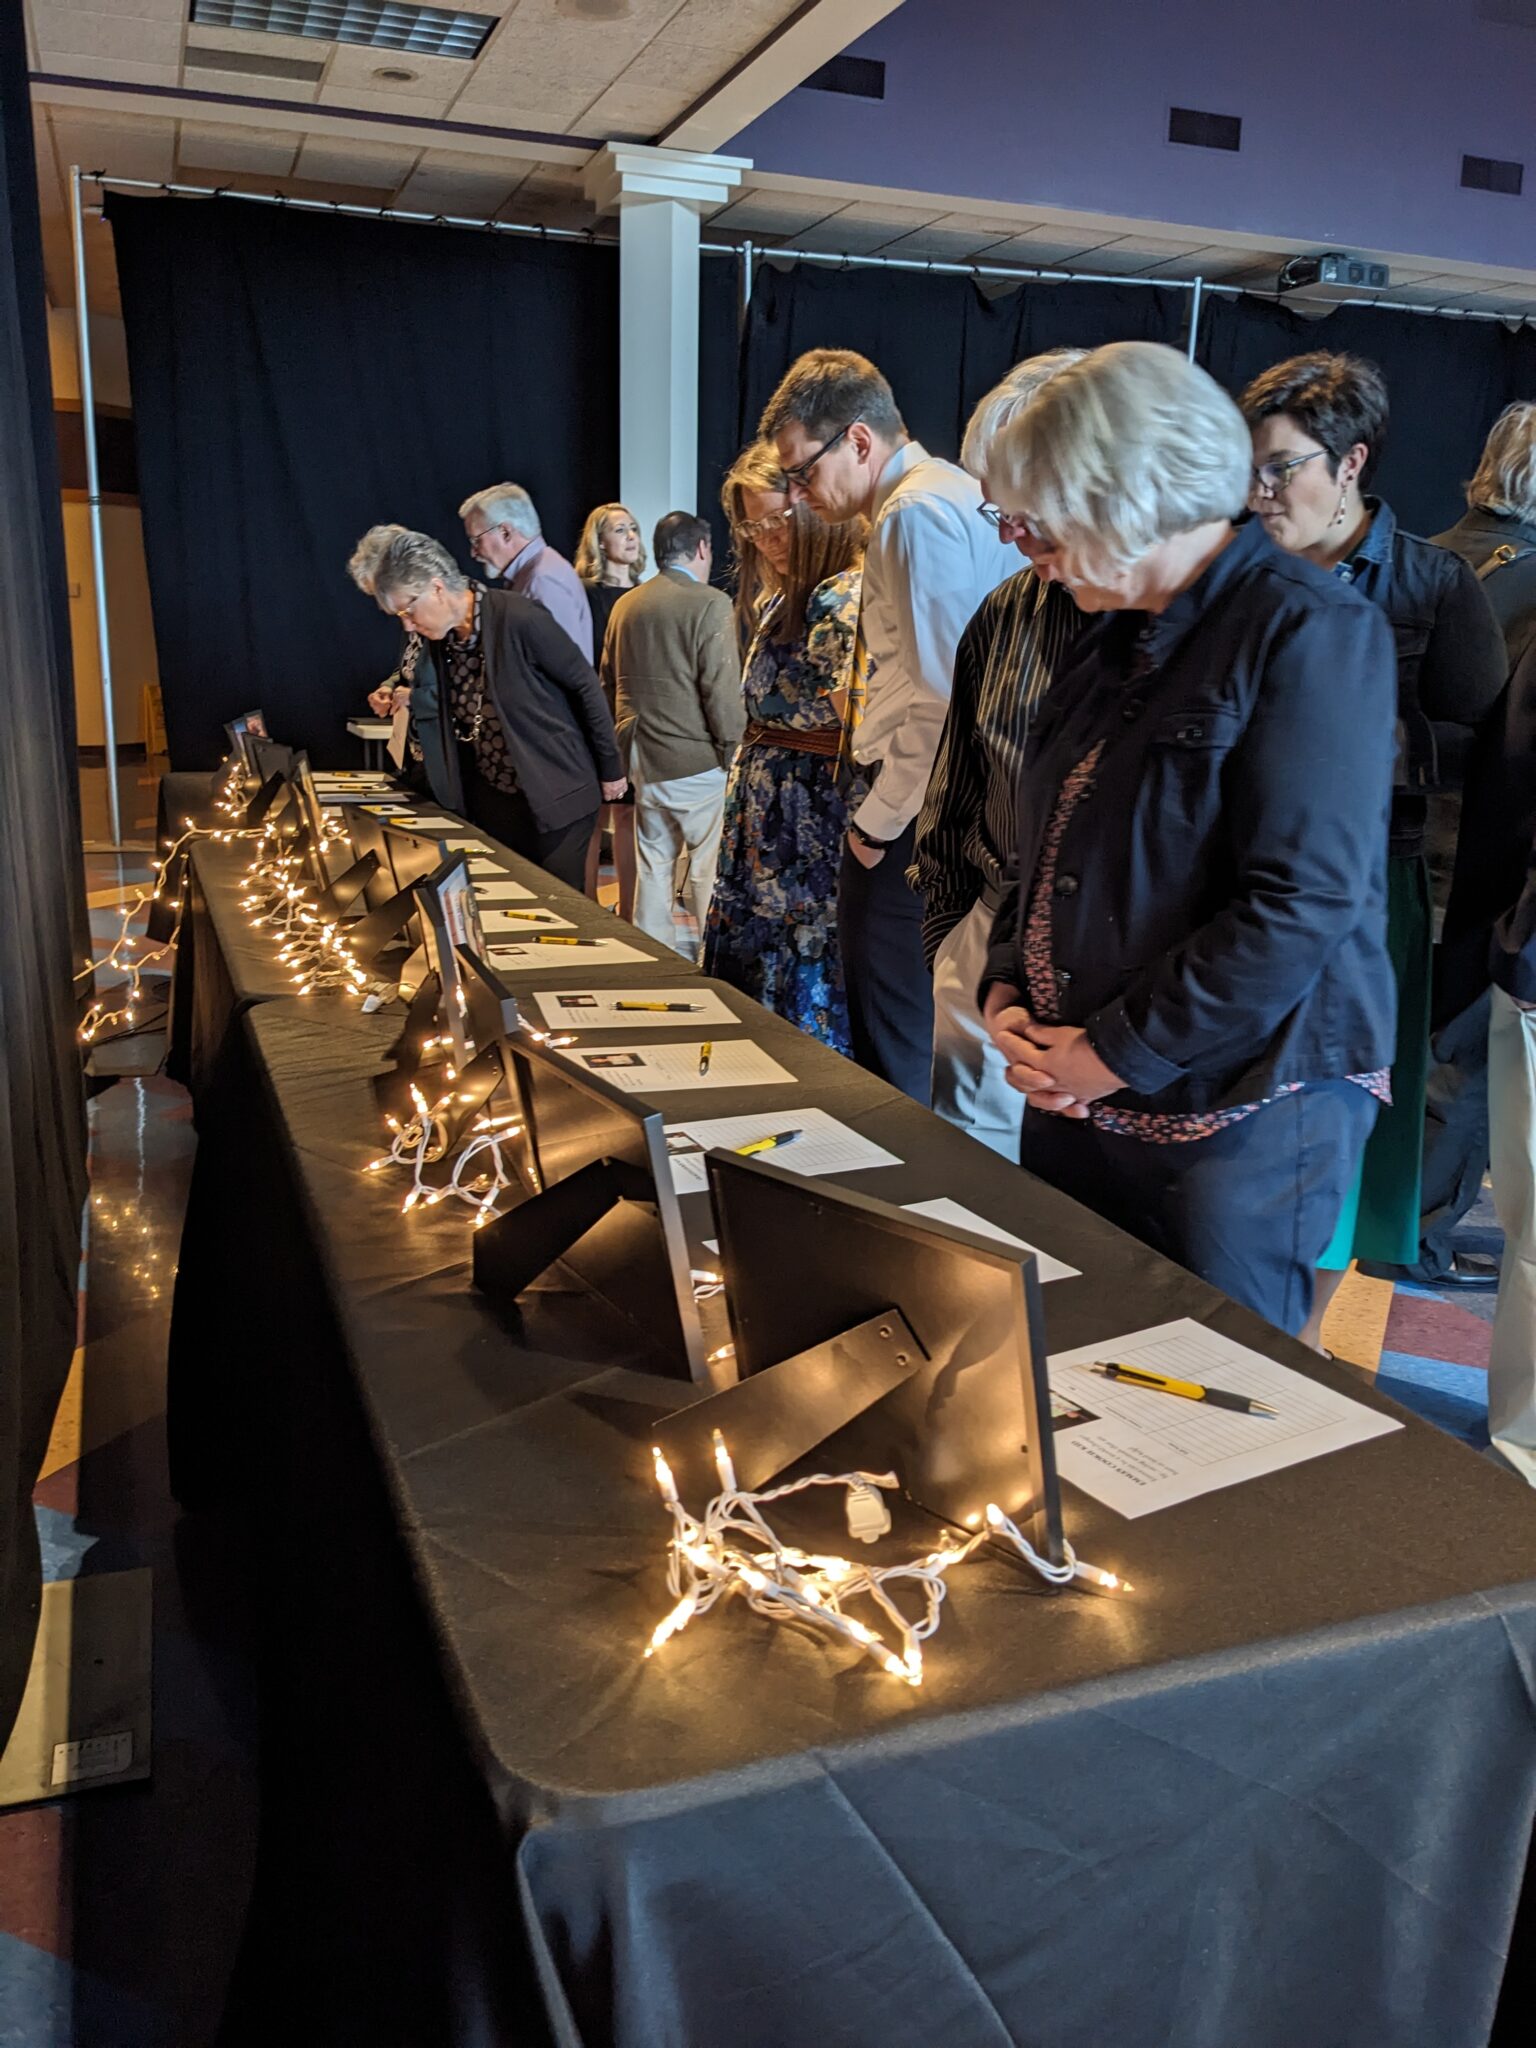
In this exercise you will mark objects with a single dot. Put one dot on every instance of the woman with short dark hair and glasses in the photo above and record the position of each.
(1319, 423)
(772, 925)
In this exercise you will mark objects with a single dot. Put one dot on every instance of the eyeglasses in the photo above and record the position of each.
(771, 522)
(1275, 477)
(406, 613)
(475, 539)
(801, 473)
(1018, 526)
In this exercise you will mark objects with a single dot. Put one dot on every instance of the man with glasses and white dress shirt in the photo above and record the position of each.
(506, 539)
(846, 451)
(967, 831)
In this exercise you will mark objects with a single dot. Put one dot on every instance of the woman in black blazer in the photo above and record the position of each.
(518, 712)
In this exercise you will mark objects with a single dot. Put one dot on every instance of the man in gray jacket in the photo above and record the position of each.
(671, 667)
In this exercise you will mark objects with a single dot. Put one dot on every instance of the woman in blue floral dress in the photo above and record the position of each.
(772, 928)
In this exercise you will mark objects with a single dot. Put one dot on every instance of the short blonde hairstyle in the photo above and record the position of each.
(1009, 398)
(1125, 449)
(589, 549)
(365, 556)
(1506, 476)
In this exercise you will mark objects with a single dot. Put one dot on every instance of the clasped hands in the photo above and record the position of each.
(388, 698)
(1053, 1065)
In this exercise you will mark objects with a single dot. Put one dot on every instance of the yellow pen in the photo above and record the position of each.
(706, 1053)
(658, 1006)
(1187, 1390)
(768, 1144)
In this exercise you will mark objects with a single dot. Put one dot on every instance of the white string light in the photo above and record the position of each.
(277, 896)
(733, 1549)
(421, 1142)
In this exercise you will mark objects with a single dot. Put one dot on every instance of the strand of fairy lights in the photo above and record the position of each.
(733, 1549)
(418, 1142)
(127, 999)
(312, 947)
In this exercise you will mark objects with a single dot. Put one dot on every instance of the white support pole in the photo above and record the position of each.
(1196, 293)
(93, 495)
(659, 195)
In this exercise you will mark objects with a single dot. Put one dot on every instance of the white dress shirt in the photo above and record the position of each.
(931, 561)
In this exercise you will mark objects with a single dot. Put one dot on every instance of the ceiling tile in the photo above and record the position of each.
(862, 229)
(1129, 254)
(83, 33)
(733, 25)
(133, 148)
(113, 70)
(469, 185)
(131, 10)
(206, 148)
(378, 165)
(401, 104)
(1049, 246)
(937, 243)
(771, 214)
(435, 77)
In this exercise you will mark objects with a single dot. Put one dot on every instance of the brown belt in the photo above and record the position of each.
(821, 739)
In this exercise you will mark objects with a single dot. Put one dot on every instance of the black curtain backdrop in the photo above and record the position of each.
(42, 902)
(719, 370)
(942, 340)
(298, 377)
(1448, 381)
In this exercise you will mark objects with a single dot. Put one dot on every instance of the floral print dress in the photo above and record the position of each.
(772, 929)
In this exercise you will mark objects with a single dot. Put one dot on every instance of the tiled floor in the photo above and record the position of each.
(120, 1910)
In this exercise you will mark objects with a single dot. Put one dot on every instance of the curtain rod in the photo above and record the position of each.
(1198, 286)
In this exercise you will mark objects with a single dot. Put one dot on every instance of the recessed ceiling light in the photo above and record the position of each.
(396, 74)
(380, 24)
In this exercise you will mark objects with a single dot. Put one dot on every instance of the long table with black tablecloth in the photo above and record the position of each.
(1281, 1793)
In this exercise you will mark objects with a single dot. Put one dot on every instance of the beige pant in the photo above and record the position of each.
(1512, 1126)
(970, 1087)
(683, 814)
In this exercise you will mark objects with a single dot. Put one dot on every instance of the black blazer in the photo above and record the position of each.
(551, 706)
(1219, 917)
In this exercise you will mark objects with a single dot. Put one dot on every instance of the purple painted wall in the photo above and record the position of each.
(1355, 113)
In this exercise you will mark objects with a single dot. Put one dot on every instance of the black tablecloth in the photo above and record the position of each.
(1280, 1795)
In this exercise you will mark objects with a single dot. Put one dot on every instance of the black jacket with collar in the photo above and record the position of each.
(1219, 912)
(559, 729)
(1498, 811)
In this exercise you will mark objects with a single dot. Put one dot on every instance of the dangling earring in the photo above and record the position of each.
(1338, 517)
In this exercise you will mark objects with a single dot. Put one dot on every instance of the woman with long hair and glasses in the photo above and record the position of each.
(772, 926)
(1318, 423)
(610, 560)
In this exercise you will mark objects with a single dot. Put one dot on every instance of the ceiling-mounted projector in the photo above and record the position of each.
(1342, 273)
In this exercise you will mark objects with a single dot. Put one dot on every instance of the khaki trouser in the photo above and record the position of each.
(1512, 1125)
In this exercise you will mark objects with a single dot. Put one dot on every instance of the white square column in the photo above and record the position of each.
(659, 195)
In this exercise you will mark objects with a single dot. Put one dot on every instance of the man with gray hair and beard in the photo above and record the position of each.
(967, 830)
(507, 540)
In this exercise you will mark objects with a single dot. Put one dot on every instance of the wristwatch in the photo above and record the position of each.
(864, 839)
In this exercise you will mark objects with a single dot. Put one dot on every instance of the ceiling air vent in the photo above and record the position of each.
(251, 64)
(861, 78)
(1489, 174)
(379, 24)
(1204, 131)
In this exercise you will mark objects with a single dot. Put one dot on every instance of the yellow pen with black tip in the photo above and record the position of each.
(769, 1144)
(706, 1054)
(1186, 1390)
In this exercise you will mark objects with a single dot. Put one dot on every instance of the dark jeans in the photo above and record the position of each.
(890, 991)
(1455, 1136)
(506, 817)
(1250, 1208)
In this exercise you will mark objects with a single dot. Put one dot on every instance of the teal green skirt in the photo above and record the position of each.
(1380, 1217)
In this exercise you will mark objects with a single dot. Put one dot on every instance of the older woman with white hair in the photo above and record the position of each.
(1189, 979)
(506, 538)
(968, 827)
(522, 720)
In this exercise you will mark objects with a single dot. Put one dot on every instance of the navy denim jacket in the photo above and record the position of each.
(1219, 916)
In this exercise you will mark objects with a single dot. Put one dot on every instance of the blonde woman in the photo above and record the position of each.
(610, 560)
(772, 926)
